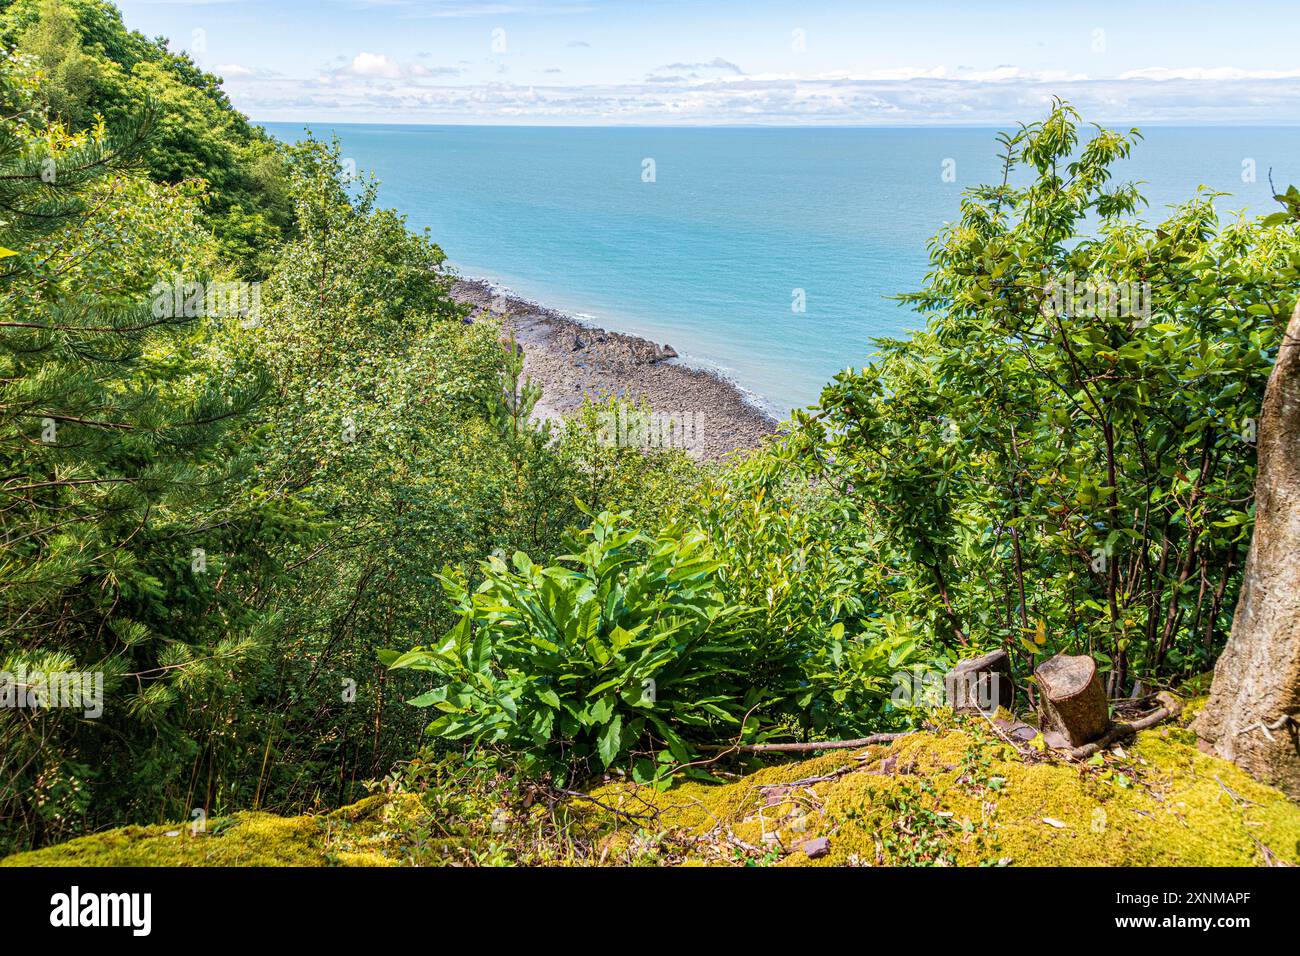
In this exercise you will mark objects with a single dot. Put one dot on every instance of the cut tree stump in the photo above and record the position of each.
(1072, 701)
(980, 684)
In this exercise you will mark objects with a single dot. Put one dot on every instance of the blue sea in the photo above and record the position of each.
(708, 253)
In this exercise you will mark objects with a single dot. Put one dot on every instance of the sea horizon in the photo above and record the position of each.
(767, 255)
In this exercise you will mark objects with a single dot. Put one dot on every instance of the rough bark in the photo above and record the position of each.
(1072, 701)
(980, 684)
(1251, 717)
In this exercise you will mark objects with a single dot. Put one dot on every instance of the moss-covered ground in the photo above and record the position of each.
(959, 796)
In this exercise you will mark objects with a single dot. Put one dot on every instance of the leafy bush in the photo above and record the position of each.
(629, 650)
(655, 486)
(799, 554)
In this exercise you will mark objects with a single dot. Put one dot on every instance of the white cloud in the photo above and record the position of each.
(236, 73)
(374, 64)
(1219, 74)
(379, 72)
(376, 87)
(1004, 74)
(717, 63)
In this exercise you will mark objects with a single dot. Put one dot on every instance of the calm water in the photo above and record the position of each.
(707, 257)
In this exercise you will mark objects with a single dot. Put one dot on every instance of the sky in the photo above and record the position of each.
(740, 62)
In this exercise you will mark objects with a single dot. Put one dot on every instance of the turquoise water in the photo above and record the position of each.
(707, 257)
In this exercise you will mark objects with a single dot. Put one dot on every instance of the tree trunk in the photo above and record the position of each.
(1251, 718)
(1073, 702)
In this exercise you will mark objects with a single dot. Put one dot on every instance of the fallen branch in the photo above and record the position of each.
(1172, 708)
(809, 781)
(815, 745)
(1241, 801)
(634, 818)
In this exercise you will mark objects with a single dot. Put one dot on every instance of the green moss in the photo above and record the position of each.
(963, 797)
(957, 796)
(373, 832)
(246, 839)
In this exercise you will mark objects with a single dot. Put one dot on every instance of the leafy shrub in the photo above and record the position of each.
(631, 649)
(798, 554)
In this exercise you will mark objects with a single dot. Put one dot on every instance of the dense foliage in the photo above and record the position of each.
(243, 428)
(263, 476)
(92, 66)
(1064, 458)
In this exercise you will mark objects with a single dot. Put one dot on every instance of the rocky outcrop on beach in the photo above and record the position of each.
(617, 348)
(572, 361)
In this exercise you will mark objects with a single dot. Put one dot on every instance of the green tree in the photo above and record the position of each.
(55, 41)
(1063, 459)
(119, 469)
(93, 66)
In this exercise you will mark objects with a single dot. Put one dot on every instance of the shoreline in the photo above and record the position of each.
(571, 360)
